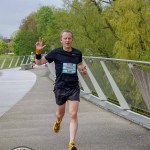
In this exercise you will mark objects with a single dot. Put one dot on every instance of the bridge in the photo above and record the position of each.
(108, 120)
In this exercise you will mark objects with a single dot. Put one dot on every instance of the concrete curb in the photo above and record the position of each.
(127, 114)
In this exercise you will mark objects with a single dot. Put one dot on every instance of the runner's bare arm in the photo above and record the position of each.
(82, 68)
(39, 47)
(41, 61)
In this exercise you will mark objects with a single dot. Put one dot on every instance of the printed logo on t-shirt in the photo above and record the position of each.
(69, 68)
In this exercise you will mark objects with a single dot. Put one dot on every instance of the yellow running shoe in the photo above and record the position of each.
(72, 146)
(56, 126)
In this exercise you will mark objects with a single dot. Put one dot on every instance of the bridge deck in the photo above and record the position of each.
(29, 123)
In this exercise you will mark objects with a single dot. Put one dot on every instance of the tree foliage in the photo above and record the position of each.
(108, 28)
(129, 21)
(23, 43)
(25, 37)
(90, 35)
(46, 25)
(3, 46)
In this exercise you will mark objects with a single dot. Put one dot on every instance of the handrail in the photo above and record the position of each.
(115, 86)
(13, 61)
(116, 81)
(115, 59)
(99, 69)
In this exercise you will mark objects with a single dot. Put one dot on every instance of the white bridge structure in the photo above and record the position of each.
(118, 85)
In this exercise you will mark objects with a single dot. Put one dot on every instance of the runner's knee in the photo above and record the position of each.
(73, 114)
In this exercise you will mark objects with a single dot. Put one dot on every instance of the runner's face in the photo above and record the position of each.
(66, 40)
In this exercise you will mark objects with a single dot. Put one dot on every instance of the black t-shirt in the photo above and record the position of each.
(65, 66)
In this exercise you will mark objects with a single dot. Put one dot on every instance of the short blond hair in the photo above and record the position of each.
(66, 30)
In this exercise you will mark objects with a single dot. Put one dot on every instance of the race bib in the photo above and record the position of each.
(69, 68)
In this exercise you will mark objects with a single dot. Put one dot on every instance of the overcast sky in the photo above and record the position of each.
(12, 12)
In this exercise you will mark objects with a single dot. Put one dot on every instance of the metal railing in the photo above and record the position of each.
(117, 80)
(13, 61)
(114, 80)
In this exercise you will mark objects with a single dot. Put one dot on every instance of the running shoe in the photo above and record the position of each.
(72, 146)
(56, 126)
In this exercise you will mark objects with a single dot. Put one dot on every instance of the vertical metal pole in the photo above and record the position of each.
(17, 61)
(22, 60)
(11, 63)
(27, 59)
(51, 67)
(95, 84)
(115, 88)
(3, 63)
(83, 83)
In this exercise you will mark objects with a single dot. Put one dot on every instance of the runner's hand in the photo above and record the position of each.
(83, 71)
(39, 45)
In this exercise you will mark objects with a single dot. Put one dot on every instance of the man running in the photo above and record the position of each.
(67, 59)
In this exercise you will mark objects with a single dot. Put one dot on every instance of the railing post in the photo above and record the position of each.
(99, 91)
(51, 67)
(17, 61)
(83, 84)
(28, 59)
(3, 63)
(22, 60)
(11, 63)
(115, 88)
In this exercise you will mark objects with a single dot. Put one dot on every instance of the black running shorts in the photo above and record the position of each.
(62, 95)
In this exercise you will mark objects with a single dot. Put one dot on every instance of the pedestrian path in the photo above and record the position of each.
(29, 123)
(14, 84)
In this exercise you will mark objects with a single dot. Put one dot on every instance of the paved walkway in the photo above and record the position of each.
(14, 84)
(29, 123)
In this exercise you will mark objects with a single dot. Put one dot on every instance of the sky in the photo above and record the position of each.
(12, 12)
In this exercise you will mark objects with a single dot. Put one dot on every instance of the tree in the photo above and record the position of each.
(3, 46)
(37, 24)
(88, 26)
(129, 21)
(46, 25)
(24, 40)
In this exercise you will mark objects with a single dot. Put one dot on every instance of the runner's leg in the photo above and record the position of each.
(59, 115)
(73, 109)
(60, 112)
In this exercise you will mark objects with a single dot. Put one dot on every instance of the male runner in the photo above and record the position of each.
(67, 59)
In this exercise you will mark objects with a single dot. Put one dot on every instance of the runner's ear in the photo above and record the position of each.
(61, 40)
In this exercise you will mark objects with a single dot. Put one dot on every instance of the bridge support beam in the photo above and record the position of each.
(99, 91)
(115, 88)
